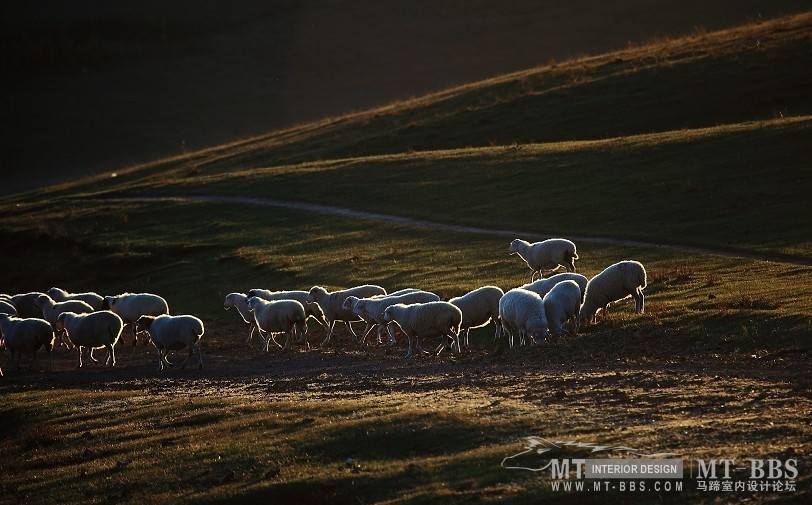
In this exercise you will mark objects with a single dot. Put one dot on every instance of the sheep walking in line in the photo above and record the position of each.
(173, 333)
(280, 316)
(561, 304)
(240, 302)
(522, 313)
(331, 305)
(545, 255)
(544, 285)
(131, 306)
(27, 335)
(95, 300)
(372, 309)
(24, 303)
(426, 320)
(312, 309)
(479, 307)
(95, 331)
(616, 282)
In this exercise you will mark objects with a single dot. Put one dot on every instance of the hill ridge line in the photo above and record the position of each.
(408, 221)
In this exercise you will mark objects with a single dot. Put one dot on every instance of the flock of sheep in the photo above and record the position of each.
(532, 312)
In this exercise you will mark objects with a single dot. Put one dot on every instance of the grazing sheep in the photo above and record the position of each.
(543, 286)
(131, 306)
(280, 316)
(6, 307)
(479, 307)
(522, 312)
(51, 309)
(372, 309)
(433, 319)
(95, 300)
(240, 302)
(94, 331)
(548, 254)
(616, 282)
(331, 305)
(312, 309)
(24, 303)
(27, 335)
(172, 333)
(561, 304)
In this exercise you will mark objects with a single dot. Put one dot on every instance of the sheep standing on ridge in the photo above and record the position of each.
(331, 304)
(616, 282)
(27, 336)
(522, 313)
(94, 331)
(172, 333)
(240, 302)
(280, 316)
(433, 319)
(131, 306)
(95, 300)
(548, 254)
(479, 307)
(561, 304)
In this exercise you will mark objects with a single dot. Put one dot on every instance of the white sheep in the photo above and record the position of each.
(172, 333)
(372, 309)
(425, 320)
(545, 255)
(561, 304)
(95, 331)
(312, 309)
(543, 286)
(616, 282)
(240, 302)
(131, 306)
(6, 307)
(280, 316)
(95, 300)
(331, 305)
(51, 309)
(20, 335)
(522, 313)
(24, 303)
(479, 307)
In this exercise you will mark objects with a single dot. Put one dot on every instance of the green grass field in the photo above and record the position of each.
(718, 365)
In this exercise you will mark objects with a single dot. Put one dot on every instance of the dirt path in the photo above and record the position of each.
(420, 223)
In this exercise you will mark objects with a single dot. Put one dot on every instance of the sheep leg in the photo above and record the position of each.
(33, 359)
(287, 338)
(409, 351)
(349, 327)
(639, 300)
(199, 357)
(111, 356)
(303, 332)
(391, 330)
(79, 348)
(94, 360)
(166, 359)
(50, 349)
(188, 357)
(160, 360)
(329, 333)
(419, 347)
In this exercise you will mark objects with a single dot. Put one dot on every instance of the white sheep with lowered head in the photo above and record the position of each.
(545, 255)
(95, 331)
(372, 309)
(426, 320)
(312, 309)
(131, 306)
(331, 304)
(24, 303)
(616, 282)
(279, 316)
(544, 285)
(27, 336)
(479, 307)
(95, 300)
(173, 333)
(240, 302)
(561, 304)
(522, 313)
